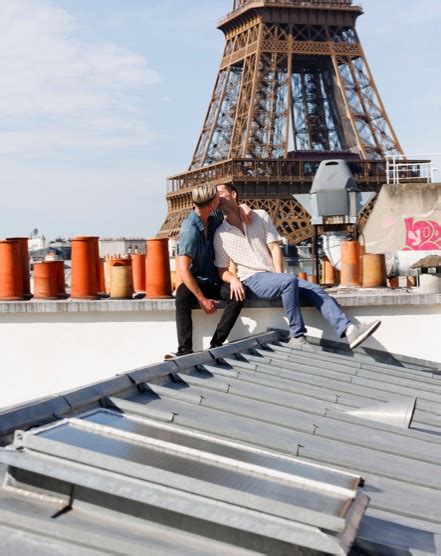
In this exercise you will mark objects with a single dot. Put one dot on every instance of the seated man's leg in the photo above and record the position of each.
(328, 307)
(229, 317)
(184, 326)
(271, 285)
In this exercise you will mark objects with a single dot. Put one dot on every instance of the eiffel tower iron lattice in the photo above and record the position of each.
(293, 88)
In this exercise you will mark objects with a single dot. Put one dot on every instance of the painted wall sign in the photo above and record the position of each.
(422, 235)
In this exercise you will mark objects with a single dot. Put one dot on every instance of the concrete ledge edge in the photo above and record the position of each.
(346, 298)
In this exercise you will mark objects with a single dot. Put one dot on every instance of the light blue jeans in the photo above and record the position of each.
(293, 292)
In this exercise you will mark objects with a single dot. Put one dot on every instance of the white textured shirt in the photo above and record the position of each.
(249, 251)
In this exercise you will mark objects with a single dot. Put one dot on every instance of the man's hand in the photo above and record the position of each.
(246, 214)
(237, 290)
(208, 305)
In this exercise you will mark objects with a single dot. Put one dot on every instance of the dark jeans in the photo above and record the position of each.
(186, 301)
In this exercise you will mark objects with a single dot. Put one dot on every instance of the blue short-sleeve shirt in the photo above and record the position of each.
(192, 243)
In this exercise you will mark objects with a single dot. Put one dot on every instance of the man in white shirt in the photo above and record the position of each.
(255, 250)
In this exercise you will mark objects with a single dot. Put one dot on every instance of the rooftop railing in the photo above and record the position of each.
(408, 168)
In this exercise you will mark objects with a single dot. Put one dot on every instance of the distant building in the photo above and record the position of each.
(37, 243)
(60, 248)
(120, 245)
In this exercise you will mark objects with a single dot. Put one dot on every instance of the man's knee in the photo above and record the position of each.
(312, 293)
(232, 302)
(225, 294)
(290, 281)
(310, 286)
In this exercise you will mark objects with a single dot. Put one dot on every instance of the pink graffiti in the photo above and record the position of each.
(424, 235)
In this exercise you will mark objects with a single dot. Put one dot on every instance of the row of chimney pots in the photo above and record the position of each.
(91, 276)
(121, 276)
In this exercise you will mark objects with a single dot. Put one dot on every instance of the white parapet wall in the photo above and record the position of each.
(51, 346)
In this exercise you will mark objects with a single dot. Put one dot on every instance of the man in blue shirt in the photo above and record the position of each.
(200, 279)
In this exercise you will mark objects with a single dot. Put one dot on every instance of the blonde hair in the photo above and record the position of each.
(203, 194)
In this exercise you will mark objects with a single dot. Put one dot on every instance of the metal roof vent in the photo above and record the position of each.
(334, 197)
(398, 413)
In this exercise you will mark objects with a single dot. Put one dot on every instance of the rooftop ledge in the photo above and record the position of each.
(346, 297)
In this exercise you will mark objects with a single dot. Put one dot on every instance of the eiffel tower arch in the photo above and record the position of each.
(293, 88)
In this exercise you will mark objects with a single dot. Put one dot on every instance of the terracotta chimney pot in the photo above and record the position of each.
(158, 278)
(374, 270)
(46, 280)
(84, 283)
(350, 264)
(61, 280)
(328, 272)
(11, 274)
(121, 282)
(25, 263)
(138, 269)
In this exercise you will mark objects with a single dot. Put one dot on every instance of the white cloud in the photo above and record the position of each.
(56, 89)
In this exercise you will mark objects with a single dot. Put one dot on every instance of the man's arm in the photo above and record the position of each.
(276, 255)
(237, 290)
(207, 305)
(222, 260)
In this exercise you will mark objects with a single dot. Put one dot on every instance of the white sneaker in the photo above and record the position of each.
(298, 343)
(358, 333)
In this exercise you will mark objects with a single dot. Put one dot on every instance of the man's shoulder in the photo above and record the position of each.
(188, 232)
(188, 220)
(261, 213)
(260, 216)
(189, 223)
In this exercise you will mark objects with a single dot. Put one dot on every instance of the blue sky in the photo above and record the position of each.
(100, 100)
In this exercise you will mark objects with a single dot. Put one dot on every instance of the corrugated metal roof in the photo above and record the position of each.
(249, 447)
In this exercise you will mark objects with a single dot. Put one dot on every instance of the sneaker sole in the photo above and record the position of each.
(365, 335)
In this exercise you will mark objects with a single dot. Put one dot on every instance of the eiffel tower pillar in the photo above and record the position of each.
(293, 88)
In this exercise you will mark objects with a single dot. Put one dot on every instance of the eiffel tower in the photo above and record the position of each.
(293, 88)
